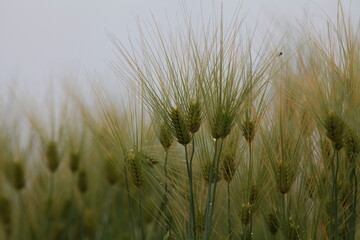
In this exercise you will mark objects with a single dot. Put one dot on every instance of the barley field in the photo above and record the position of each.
(215, 135)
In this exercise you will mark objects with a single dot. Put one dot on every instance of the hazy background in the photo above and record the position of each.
(43, 42)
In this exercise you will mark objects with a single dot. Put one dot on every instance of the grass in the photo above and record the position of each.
(217, 138)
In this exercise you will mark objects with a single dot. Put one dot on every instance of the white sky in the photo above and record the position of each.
(47, 40)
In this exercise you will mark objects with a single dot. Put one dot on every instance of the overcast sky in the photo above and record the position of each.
(48, 40)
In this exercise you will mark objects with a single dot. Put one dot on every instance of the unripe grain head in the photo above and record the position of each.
(16, 175)
(135, 169)
(52, 156)
(82, 181)
(352, 146)
(165, 136)
(111, 172)
(194, 116)
(74, 162)
(221, 124)
(248, 129)
(272, 223)
(335, 127)
(180, 129)
(206, 172)
(246, 213)
(284, 176)
(228, 167)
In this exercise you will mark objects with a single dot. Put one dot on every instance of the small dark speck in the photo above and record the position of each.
(281, 53)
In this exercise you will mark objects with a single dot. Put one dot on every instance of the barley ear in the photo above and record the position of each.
(135, 169)
(52, 156)
(181, 131)
(194, 116)
(335, 127)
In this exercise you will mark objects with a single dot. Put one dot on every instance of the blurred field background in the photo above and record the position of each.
(179, 120)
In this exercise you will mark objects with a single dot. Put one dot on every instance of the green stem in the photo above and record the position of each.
(284, 216)
(228, 213)
(166, 196)
(191, 197)
(250, 184)
(21, 215)
(335, 197)
(49, 203)
(212, 205)
(208, 201)
(352, 218)
(141, 216)
(130, 205)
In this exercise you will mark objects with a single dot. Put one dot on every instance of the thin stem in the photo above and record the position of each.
(191, 196)
(21, 215)
(352, 218)
(141, 216)
(130, 205)
(335, 197)
(166, 193)
(208, 201)
(212, 205)
(250, 184)
(284, 215)
(49, 202)
(228, 213)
